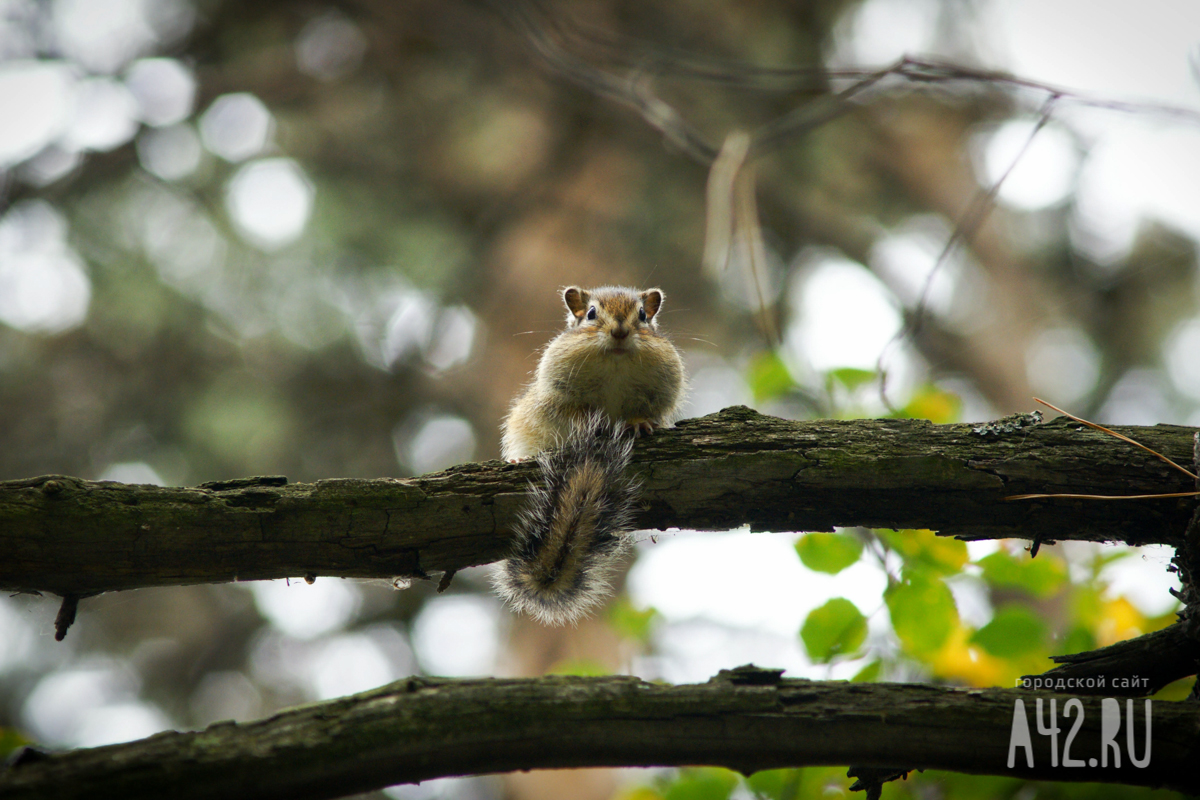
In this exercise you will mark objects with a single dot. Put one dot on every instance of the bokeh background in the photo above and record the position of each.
(326, 240)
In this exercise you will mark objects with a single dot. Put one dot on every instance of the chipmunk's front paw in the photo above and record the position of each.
(639, 426)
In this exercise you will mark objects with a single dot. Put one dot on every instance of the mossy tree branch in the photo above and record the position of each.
(745, 719)
(75, 538)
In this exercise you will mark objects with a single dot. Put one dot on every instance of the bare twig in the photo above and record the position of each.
(929, 71)
(547, 36)
(630, 92)
(824, 109)
(749, 234)
(619, 51)
(719, 210)
(966, 227)
(550, 40)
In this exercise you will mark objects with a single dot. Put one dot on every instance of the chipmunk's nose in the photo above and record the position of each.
(619, 332)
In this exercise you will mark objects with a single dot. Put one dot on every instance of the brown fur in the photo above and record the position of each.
(574, 528)
(616, 364)
(597, 379)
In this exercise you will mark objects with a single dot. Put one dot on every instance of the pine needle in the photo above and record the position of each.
(1123, 438)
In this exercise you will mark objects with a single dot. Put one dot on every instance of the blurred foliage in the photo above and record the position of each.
(585, 668)
(831, 782)
(768, 377)
(922, 611)
(933, 404)
(925, 551)
(1039, 577)
(828, 552)
(837, 628)
(1014, 631)
(456, 180)
(630, 622)
(10, 741)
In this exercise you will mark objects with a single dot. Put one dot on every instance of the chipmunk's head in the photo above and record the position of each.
(615, 315)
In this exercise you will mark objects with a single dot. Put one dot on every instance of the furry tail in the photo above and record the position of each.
(574, 530)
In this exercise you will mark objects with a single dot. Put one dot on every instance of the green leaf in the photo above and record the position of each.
(925, 551)
(869, 673)
(1176, 690)
(850, 377)
(630, 622)
(1014, 631)
(1041, 577)
(1078, 640)
(708, 783)
(828, 552)
(769, 377)
(776, 783)
(582, 666)
(923, 613)
(10, 740)
(1105, 557)
(986, 787)
(836, 628)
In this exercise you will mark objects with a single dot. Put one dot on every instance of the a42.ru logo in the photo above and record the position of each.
(1110, 727)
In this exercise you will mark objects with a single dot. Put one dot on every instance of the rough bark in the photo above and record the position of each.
(1159, 658)
(76, 537)
(745, 719)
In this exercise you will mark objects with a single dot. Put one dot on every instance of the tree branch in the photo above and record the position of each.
(74, 537)
(1159, 658)
(745, 719)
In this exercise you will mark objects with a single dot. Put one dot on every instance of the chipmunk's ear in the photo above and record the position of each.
(652, 300)
(576, 301)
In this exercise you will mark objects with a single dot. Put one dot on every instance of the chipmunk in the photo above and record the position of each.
(610, 373)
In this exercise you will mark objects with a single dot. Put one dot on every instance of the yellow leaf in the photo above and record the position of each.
(638, 793)
(933, 404)
(1119, 620)
(968, 663)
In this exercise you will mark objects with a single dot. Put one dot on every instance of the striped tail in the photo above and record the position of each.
(575, 528)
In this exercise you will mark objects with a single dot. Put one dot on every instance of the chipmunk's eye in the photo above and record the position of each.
(642, 314)
(592, 313)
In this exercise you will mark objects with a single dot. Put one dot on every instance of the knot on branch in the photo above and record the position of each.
(749, 675)
(872, 779)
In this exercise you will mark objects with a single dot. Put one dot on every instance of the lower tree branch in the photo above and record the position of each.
(1152, 661)
(420, 729)
(74, 537)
